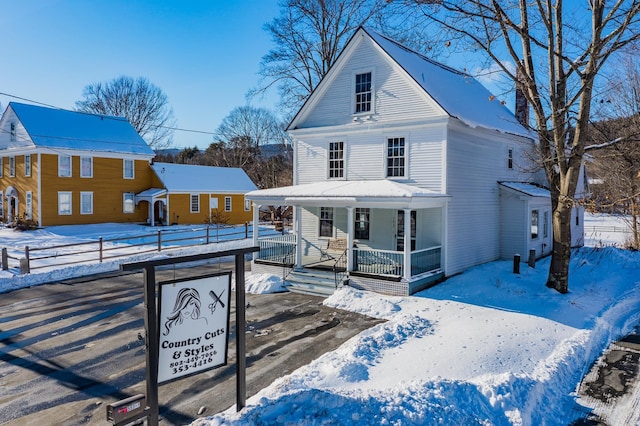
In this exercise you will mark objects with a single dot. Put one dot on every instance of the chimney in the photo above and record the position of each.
(522, 106)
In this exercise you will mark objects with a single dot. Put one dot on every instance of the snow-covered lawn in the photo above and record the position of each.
(484, 347)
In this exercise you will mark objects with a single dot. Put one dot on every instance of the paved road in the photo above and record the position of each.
(69, 349)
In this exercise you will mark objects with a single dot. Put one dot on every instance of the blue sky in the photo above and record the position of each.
(204, 55)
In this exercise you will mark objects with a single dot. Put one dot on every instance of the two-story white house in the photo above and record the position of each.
(406, 171)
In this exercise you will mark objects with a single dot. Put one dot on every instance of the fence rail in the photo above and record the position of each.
(103, 249)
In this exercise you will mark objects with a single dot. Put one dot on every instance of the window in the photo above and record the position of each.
(362, 224)
(577, 217)
(510, 158)
(326, 222)
(534, 224)
(195, 203)
(1, 167)
(227, 204)
(395, 157)
(86, 167)
(128, 169)
(400, 232)
(247, 205)
(336, 160)
(545, 224)
(29, 204)
(64, 165)
(86, 203)
(12, 166)
(363, 92)
(1, 204)
(12, 136)
(64, 203)
(128, 202)
(27, 165)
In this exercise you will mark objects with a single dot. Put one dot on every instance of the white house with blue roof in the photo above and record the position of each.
(401, 166)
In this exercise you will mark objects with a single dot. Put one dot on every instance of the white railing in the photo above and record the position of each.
(378, 262)
(425, 260)
(280, 249)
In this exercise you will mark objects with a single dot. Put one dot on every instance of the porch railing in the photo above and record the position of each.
(425, 260)
(378, 262)
(281, 249)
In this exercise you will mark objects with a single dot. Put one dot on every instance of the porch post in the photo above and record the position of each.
(407, 244)
(256, 219)
(151, 208)
(350, 231)
(298, 222)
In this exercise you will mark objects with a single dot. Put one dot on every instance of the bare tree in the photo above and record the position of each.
(310, 34)
(139, 101)
(558, 48)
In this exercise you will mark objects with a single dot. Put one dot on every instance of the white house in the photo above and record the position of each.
(406, 171)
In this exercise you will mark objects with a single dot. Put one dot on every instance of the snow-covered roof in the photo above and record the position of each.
(526, 188)
(193, 178)
(366, 192)
(458, 93)
(63, 129)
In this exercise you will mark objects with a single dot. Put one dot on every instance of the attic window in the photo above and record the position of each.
(510, 158)
(13, 132)
(363, 92)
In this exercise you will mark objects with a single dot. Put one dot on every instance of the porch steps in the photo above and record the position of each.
(315, 282)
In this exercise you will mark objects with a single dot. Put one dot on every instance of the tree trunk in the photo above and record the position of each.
(559, 270)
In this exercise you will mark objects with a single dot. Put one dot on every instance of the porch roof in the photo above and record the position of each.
(351, 193)
(150, 194)
(526, 188)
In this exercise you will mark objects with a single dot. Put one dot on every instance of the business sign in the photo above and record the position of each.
(193, 324)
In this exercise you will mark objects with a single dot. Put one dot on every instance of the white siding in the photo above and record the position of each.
(396, 97)
(513, 226)
(476, 161)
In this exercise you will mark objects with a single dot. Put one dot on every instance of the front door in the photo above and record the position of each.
(400, 230)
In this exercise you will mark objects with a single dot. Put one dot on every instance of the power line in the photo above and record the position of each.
(105, 116)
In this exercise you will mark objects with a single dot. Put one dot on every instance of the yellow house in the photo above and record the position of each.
(60, 167)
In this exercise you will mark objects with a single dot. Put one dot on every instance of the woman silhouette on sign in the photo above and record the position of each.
(187, 306)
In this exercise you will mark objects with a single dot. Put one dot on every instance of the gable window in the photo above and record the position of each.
(363, 92)
(12, 166)
(227, 204)
(336, 160)
(12, 136)
(27, 165)
(64, 203)
(247, 205)
(86, 203)
(534, 224)
(195, 203)
(128, 202)
(362, 224)
(128, 169)
(86, 167)
(64, 165)
(326, 222)
(28, 200)
(510, 158)
(395, 157)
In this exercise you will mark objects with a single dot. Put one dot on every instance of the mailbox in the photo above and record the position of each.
(127, 410)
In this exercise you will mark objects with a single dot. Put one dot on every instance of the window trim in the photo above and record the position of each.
(340, 160)
(247, 205)
(330, 221)
(510, 152)
(28, 203)
(228, 204)
(64, 212)
(366, 212)
(82, 159)
(82, 195)
(372, 102)
(124, 168)
(405, 162)
(12, 166)
(27, 165)
(126, 195)
(60, 168)
(192, 198)
(534, 235)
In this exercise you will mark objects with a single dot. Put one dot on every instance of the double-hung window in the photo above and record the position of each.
(86, 202)
(64, 203)
(86, 167)
(362, 219)
(510, 158)
(326, 222)
(363, 93)
(128, 202)
(64, 165)
(227, 204)
(27, 165)
(195, 203)
(12, 166)
(128, 169)
(29, 205)
(534, 224)
(336, 160)
(395, 157)
(247, 205)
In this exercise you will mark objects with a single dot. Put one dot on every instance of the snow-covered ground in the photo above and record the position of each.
(485, 347)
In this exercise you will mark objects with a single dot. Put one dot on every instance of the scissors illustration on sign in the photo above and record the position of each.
(216, 300)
